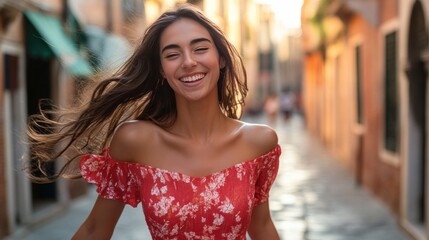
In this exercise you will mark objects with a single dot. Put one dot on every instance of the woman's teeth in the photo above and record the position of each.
(192, 78)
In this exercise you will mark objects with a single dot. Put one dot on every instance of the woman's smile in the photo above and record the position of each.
(192, 78)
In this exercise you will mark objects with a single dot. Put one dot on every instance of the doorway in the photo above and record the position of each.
(417, 84)
(17, 184)
(38, 71)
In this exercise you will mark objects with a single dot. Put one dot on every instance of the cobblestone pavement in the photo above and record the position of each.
(313, 198)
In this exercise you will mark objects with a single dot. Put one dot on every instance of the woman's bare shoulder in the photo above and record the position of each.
(130, 138)
(259, 136)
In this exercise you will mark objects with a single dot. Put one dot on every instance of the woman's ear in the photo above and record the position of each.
(221, 63)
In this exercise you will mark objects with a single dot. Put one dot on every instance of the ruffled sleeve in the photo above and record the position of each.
(115, 180)
(269, 167)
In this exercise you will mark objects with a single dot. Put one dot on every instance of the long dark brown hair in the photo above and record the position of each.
(135, 91)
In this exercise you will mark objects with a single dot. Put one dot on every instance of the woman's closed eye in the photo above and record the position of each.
(171, 55)
(201, 49)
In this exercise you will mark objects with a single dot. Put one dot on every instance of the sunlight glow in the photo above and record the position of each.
(287, 12)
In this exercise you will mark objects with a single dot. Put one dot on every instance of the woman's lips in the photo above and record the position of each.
(192, 78)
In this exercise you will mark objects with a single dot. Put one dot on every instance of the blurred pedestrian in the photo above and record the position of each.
(164, 130)
(287, 103)
(271, 107)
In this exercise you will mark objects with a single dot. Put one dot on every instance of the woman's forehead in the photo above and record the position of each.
(183, 31)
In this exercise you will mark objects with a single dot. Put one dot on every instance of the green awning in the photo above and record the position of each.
(45, 37)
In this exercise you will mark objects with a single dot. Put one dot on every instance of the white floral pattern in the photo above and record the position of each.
(177, 206)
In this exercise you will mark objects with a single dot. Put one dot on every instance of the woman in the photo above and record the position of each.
(172, 139)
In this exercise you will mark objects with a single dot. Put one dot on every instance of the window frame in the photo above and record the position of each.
(386, 155)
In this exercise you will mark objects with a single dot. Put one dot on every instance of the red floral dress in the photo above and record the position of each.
(178, 206)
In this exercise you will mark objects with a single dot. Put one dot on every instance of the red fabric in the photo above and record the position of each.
(178, 206)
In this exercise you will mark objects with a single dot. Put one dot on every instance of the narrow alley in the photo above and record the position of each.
(315, 198)
(312, 198)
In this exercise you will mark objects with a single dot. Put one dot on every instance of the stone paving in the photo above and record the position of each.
(313, 198)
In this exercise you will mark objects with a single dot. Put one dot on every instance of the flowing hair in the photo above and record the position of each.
(135, 91)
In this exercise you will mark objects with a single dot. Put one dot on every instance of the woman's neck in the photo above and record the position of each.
(199, 121)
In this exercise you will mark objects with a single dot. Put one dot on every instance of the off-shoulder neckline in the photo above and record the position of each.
(274, 150)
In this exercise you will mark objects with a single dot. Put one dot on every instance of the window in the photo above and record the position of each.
(391, 113)
(10, 72)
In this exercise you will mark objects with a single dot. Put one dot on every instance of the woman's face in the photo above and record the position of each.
(189, 59)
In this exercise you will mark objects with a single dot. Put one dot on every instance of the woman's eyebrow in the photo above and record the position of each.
(197, 40)
(194, 41)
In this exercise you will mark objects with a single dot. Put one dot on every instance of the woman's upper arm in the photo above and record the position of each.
(101, 221)
(261, 225)
(105, 213)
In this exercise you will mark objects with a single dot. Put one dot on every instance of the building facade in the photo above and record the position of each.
(366, 97)
(32, 68)
(47, 54)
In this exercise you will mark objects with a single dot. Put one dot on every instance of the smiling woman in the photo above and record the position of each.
(190, 62)
(166, 133)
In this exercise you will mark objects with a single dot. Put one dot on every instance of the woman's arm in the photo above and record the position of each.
(261, 225)
(106, 212)
(101, 221)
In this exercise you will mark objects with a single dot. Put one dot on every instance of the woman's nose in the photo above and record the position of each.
(188, 61)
